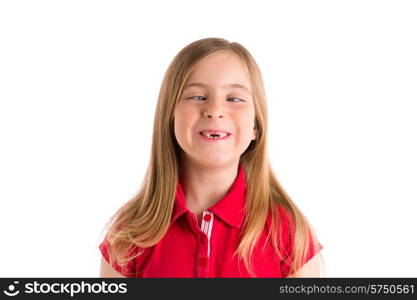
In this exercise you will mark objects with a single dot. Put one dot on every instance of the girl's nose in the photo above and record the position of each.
(213, 115)
(213, 109)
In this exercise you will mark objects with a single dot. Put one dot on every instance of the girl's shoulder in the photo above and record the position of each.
(283, 220)
(134, 252)
(286, 229)
(287, 234)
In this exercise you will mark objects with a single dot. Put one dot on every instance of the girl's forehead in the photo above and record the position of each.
(243, 87)
(224, 69)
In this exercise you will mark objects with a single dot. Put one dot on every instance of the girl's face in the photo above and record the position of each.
(216, 96)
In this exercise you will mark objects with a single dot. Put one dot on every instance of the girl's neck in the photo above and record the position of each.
(204, 186)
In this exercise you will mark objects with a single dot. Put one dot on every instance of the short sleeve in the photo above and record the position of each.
(287, 231)
(127, 271)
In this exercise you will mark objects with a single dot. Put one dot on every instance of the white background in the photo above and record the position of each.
(79, 82)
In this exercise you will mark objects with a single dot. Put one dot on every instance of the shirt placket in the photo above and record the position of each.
(204, 244)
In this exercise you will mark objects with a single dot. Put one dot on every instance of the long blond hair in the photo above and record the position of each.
(143, 220)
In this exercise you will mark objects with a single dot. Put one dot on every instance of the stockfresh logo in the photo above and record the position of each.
(11, 289)
(72, 289)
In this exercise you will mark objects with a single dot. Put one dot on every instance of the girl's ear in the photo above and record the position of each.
(255, 133)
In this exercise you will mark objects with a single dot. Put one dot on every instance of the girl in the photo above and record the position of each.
(210, 204)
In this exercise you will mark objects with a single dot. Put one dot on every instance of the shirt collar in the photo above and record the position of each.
(230, 208)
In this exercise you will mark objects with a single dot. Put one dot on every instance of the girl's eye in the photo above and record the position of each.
(238, 99)
(235, 98)
(195, 97)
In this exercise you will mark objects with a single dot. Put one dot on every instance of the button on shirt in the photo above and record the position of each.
(190, 249)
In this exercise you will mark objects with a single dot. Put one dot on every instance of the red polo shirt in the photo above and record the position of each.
(205, 249)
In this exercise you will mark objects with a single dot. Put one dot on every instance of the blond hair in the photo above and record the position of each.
(143, 220)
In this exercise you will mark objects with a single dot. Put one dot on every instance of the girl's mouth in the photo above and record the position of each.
(212, 137)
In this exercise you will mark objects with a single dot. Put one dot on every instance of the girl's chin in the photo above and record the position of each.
(211, 160)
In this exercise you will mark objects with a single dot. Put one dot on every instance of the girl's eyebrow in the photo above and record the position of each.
(225, 86)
